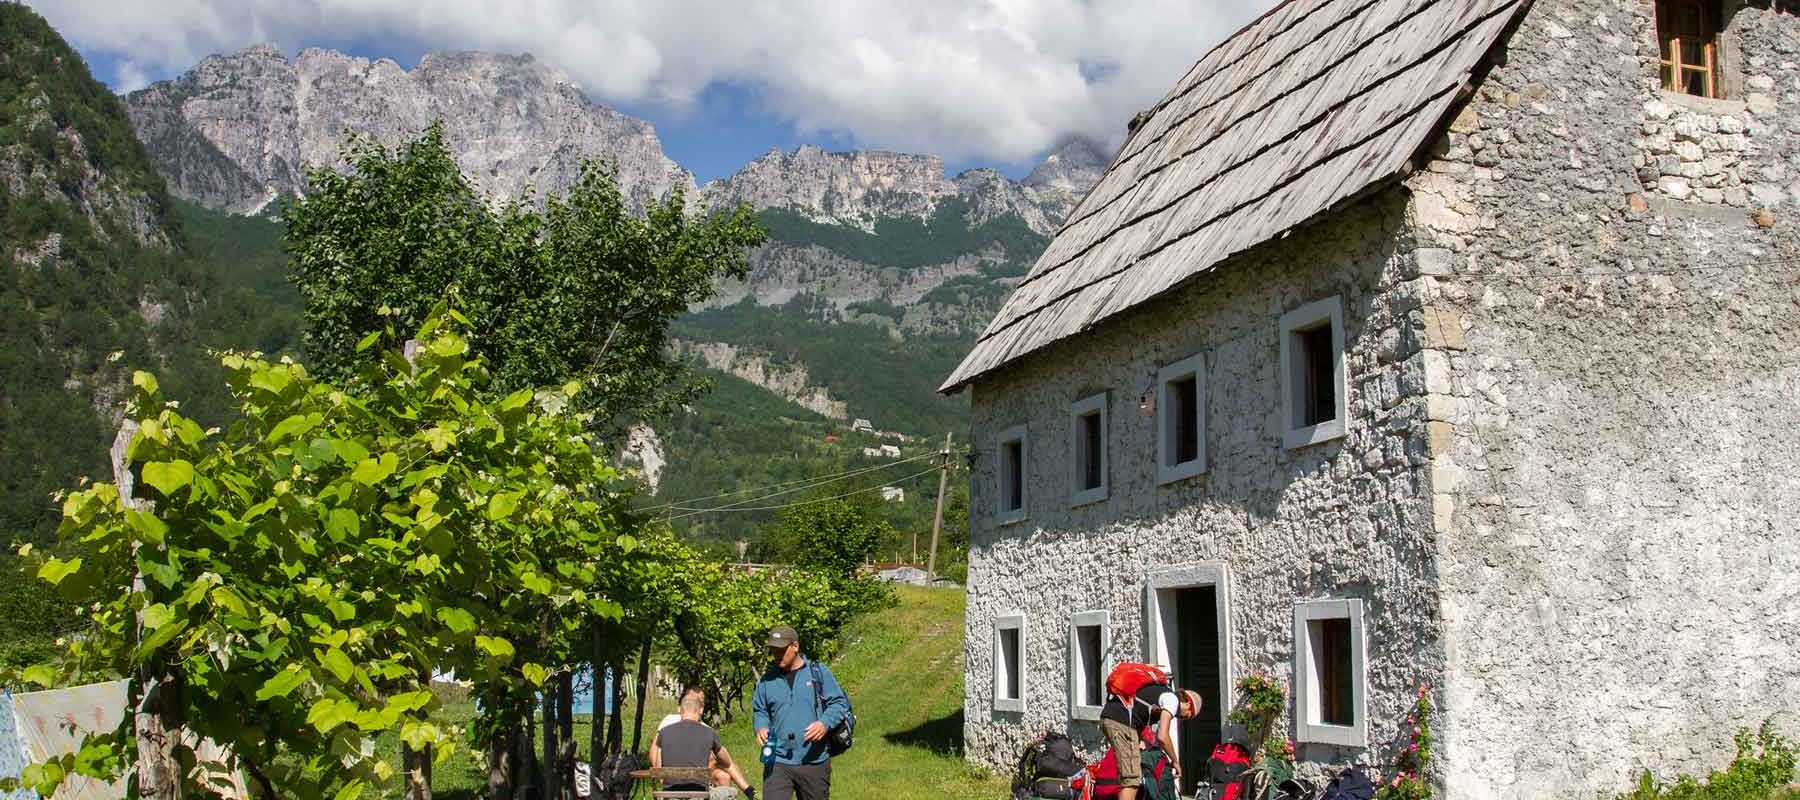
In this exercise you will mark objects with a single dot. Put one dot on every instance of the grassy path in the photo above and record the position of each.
(903, 669)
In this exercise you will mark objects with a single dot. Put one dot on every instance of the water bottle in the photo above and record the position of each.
(768, 752)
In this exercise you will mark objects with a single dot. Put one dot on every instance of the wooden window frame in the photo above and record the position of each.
(1673, 67)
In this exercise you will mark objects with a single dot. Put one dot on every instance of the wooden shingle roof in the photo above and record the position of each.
(1309, 105)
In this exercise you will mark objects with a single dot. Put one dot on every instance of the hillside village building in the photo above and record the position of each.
(1407, 343)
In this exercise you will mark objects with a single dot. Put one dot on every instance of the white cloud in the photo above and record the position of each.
(994, 79)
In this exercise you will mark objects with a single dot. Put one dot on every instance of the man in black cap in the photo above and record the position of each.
(797, 702)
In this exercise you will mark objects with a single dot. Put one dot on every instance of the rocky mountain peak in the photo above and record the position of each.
(850, 188)
(240, 129)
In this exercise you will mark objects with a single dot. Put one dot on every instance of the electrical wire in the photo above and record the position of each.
(850, 493)
(809, 482)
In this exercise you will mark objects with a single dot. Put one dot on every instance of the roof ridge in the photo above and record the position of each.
(1077, 217)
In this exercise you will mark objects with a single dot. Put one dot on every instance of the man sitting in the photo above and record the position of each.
(690, 743)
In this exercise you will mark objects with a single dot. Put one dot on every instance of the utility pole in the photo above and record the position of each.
(937, 520)
(155, 720)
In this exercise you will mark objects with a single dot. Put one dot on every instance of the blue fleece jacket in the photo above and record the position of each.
(787, 711)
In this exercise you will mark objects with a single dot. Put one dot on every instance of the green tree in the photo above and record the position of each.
(836, 536)
(306, 571)
(579, 290)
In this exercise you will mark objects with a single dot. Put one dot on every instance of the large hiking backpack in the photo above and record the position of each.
(1126, 679)
(1100, 781)
(1226, 768)
(612, 780)
(1045, 767)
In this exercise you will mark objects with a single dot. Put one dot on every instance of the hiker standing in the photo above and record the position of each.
(1136, 706)
(688, 742)
(797, 702)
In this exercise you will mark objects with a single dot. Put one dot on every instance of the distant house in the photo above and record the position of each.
(893, 494)
(890, 451)
(862, 426)
(910, 574)
(1435, 343)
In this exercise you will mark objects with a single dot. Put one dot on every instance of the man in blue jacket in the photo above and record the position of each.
(796, 703)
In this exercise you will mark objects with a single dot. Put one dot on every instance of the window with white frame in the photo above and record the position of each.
(1009, 663)
(1090, 638)
(1181, 419)
(1330, 673)
(1010, 476)
(1312, 373)
(1087, 445)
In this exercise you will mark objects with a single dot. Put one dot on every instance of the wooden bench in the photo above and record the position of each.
(655, 776)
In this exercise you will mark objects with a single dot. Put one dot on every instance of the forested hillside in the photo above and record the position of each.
(102, 272)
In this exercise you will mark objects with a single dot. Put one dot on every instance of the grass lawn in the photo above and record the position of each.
(903, 669)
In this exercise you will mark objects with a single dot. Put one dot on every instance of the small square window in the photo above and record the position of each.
(1089, 640)
(1687, 35)
(1010, 480)
(1088, 446)
(1330, 681)
(1312, 373)
(1009, 663)
(1181, 419)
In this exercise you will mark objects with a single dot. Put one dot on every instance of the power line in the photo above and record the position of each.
(808, 483)
(803, 502)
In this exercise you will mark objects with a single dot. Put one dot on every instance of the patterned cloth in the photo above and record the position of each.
(54, 722)
(12, 749)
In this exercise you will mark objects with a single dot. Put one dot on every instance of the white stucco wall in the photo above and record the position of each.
(1344, 518)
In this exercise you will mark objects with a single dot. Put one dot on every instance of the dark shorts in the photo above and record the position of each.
(805, 781)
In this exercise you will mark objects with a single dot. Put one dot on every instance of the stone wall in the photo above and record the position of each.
(1343, 518)
(1615, 509)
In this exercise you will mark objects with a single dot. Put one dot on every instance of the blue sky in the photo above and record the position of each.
(979, 82)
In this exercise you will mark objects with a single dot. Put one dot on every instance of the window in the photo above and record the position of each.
(1088, 444)
(1011, 478)
(1312, 372)
(1329, 673)
(1009, 663)
(1181, 419)
(1090, 637)
(1688, 33)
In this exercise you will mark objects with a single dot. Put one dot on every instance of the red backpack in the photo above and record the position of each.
(1126, 679)
(1100, 780)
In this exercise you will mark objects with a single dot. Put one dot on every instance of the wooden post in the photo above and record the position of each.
(155, 720)
(643, 689)
(937, 519)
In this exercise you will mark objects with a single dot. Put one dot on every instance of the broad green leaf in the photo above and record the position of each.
(294, 426)
(40, 674)
(349, 451)
(495, 646)
(283, 684)
(536, 583)
(375, 470)
(410, 701)
(56, 569)
(342, 523)
(351, 791)
(228, 600)
(330, 712)
(368, 341)
(437, 437)
(338, 664)
(502, 505)
(149, 526)
(167, 476)
(535, 673)
(144, 380)
(272, 379)
(457, 620)
(515, 400)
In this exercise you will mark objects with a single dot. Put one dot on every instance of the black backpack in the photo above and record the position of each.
(1351, 784)
(612, 778)
(843, 735)
(1044, 768)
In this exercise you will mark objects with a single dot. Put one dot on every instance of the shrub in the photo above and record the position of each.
(1764, 764)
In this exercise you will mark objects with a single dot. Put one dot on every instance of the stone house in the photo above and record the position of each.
(1417, 343)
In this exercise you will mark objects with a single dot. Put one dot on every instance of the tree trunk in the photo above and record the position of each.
(565, 736)
(500, 767)
(526, 773)
(158, 737)
(596, 728)
(615, 722)
(643, 689)
(416, 765)
(547, 768)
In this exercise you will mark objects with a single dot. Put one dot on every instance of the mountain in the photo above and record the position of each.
(101, 272)
(239, 130)
(880, 268)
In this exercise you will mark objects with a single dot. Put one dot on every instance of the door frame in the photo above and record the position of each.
(1157, 634)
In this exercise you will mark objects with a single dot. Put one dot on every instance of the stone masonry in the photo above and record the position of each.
(1568, 484)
